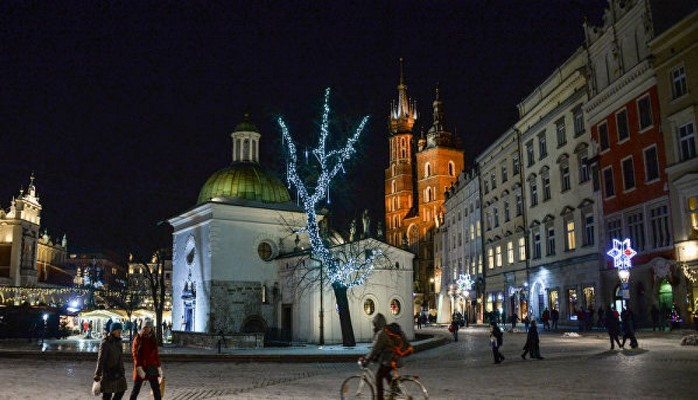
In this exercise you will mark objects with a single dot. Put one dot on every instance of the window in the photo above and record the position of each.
(510, 252)
(583, 162)
(479, 264)
(603, 136)
(490, 258)
(265, 251)
(536, 245)
(529, 154)
(692, 207)
(493, 179)
(495, 213)
(519, 204)
(595, 177)
(427, 170)
(651, 164)
(614, 229)
(486, 185)
(515, 165)
(522, 249)
(659, 222)
(561, 133)
(504, 173)
(578, 117)
(570, 238)
(678, 82)
(636, 230)
(542, 145)
(534, 191)
(687, 141)
(545, 178)
(565, 176)
(506, 210)
(499, 256)
(488, 221)
(628, 174)
(550, 247)
(395, 307)
(609, 188)
(451, 168)
(478, 229)
(644, 109)
(369, 306)
(588, 229)
(428, 195)
(622, 125)
(472, 232)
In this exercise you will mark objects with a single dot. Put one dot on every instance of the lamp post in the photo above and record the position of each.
(465, 284)
(621, 254)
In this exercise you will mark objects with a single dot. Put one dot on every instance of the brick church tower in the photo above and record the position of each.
(418, 175)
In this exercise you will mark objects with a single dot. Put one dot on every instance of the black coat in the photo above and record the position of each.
(110, 365)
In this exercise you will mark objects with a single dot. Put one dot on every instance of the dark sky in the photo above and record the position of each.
(122, 109)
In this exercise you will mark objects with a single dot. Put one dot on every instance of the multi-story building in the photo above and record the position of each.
(461, 251)
(51, 261)
(623, 114)
(101, 269)
(676, 69)
(561, 210)
(416, 180)
(19, 235)
(504, 226)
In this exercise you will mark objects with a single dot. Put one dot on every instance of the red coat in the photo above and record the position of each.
(145, 354)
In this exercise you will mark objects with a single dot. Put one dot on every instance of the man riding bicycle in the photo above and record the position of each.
(382, 350)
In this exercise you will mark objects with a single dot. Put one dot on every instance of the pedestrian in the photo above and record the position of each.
(546, 319)
(654, 312)
(532, 342)
(453, 328)
(601, 314)
(514, 320)
(527, 322)
(612, 327)
(108, 325)
(555, 316)
(589, 318)
(418, 320)
(496, 341)
(146, 361)
(628, 327)
(85, 326)
(383, 352)
(110, 371)
(580, 319)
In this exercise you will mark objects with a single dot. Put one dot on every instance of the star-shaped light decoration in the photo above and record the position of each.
(621, 254)
(464, 282)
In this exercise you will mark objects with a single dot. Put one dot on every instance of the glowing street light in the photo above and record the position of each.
(621, 254)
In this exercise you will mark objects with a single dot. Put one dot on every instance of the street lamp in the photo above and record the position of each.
(621, 254)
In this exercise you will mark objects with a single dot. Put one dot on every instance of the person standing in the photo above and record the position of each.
(527, 322)
(110, 371)
(453, 328)
(600, 321)
(496, 341)
(146, 361)
(532, 342)
(555, 315)
(628, 327)
(514, 320)
(546, 319)
(612, 327)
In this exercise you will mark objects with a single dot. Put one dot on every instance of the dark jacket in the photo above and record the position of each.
(110, 365)
(382, 348)
(532, 340)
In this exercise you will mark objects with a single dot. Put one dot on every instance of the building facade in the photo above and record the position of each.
(461, 252)
(676, 69)
(504, 226)
(562, 211)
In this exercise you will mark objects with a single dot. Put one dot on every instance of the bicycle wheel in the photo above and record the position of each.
(409, 388)
(356, 387)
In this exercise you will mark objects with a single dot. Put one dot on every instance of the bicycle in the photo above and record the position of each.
(402, 387)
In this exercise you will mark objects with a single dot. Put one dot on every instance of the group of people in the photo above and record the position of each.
(532, 345)
(613, 326)
(547, 316)
(110, 372)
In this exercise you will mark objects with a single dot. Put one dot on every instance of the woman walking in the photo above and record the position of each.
(146, 361)
(110, 366)
(532, 342)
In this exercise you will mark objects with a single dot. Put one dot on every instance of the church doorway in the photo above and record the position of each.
(253, 324)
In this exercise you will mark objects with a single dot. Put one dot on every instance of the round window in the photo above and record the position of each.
(265, 251)
(395, 306)
(369, 306)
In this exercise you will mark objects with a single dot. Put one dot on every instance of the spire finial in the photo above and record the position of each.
(402, 74)
(437, 91)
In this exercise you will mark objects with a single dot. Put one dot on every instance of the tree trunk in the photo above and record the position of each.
(340, 293)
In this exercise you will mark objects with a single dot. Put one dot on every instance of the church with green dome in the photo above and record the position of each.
(233, 252)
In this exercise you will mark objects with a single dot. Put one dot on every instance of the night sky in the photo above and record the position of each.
(122, 109)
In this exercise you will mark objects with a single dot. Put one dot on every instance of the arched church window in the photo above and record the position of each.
(451, 168)
(427, 170)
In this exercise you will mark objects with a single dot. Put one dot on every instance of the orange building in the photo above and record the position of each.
(417, 177)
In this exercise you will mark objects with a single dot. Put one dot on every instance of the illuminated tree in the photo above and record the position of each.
(342, 270)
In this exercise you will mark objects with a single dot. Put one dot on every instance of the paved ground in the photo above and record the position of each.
(574, 367)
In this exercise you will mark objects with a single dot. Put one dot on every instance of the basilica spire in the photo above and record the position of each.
(403, 114)
(438, 111)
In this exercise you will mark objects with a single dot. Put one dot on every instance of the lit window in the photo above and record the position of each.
(522, 249)
(510, 252)
(395, 307)
(490, 258)
(499, 256)
(571, 242)
(369, 306)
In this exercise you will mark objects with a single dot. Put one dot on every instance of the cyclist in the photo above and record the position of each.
(382, 351)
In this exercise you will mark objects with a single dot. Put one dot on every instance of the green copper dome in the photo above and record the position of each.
(244, 181)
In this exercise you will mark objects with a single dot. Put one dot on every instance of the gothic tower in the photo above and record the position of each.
(399, 176)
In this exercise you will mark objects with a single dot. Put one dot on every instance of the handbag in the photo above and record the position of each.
(96, 388)
(162, 387)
